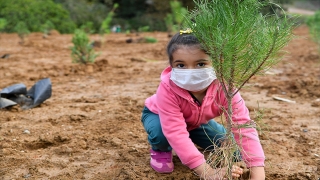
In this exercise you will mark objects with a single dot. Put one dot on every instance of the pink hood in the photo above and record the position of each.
(180, 114)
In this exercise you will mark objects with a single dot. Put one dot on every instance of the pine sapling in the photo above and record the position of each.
(105, 26)
(313, 23)
(46, 28)
(241, 43)
(82, 51)
(22, 30)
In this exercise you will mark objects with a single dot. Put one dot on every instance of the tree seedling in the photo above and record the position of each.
(46, 28)
(241, 43)
(22, 30)
(105, 26)
(82, 51)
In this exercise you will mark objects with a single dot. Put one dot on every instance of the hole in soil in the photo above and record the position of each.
(38, 145)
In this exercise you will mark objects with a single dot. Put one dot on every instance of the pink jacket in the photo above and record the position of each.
(179, 114)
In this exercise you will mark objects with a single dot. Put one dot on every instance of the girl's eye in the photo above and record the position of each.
(201, 64)
(180, 65)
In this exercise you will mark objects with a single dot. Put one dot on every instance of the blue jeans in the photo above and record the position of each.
(203, 136)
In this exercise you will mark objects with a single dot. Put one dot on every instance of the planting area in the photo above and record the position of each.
(90, 128)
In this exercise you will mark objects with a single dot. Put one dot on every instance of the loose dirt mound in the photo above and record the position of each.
(90, 128)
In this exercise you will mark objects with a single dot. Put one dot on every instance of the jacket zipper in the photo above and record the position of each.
(201, 111)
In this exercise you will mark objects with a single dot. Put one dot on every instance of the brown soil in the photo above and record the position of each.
(90, 128)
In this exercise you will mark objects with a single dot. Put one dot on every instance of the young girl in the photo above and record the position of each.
(181, 114)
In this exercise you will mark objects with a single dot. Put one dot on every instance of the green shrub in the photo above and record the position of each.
(84, 11)
(178, 12)
(150, 40)
(35, 13)
(82, 51)
(22, 30)
(155, 23)
(175, 19)
(144, 29)
(313, 23)
(169, 23)
(3, 23)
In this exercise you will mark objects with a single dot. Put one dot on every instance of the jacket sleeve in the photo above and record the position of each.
(174, 127)
(245, 133)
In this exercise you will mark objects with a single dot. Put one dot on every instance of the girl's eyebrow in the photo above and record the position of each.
(175, 61)
(181, 61)
(201, 60)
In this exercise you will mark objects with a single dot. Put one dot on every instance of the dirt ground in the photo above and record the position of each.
(90, 128)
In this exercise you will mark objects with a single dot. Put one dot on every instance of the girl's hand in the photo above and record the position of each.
(208, 173)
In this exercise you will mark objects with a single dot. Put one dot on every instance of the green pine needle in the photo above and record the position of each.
(239, 39)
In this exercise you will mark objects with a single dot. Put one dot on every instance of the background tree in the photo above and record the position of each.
(34, 13)
(88, 13)
(176, 16)
(140, 13)
(67, 15)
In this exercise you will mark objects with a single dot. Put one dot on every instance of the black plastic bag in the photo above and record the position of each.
(18, 94)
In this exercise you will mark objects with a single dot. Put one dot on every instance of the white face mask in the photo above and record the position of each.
(193, 79)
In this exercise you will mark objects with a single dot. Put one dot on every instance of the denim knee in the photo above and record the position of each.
(156, 138)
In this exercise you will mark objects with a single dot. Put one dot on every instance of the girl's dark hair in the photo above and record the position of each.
(179, 40)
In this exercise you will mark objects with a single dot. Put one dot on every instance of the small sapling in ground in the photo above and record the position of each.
(22, 30)
(82, 51)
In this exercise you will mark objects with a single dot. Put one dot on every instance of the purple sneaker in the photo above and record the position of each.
(161, 161)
